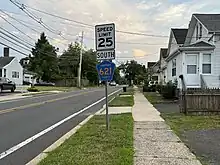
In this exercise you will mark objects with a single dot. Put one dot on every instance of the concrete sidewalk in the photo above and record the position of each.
(154, 141)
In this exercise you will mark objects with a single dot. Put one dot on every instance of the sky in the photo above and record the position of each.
(151, 17)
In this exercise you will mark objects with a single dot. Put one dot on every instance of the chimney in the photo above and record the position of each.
(6, 52)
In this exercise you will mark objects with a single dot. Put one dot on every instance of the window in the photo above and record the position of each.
(4, 72)
(174, 67)
(200, 31)
(191, 64)
(0, 72)
(206, 65)
(15, 74)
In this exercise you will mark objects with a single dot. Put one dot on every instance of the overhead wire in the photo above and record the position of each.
(14, 49)
(35, 18)
(15, 39)
(17, 28)
(15, 43)
(22, 22)
(6, 31)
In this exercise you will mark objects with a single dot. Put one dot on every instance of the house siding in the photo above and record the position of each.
(179, 63)
(213, 80)
(173, 45)
(14, 65)
(205, 35)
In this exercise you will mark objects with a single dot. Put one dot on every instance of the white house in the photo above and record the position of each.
(11, 68)
(194, 53)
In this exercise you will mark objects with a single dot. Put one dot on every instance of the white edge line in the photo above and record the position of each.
(60, 141)
(27, 141)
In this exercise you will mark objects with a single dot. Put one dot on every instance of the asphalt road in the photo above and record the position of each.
(22, 119)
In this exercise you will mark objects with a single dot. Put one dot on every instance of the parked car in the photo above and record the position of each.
(6, 84)
(112, 84)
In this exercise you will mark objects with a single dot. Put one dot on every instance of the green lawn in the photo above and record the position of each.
(154, 97)
(121, 101)
(130, 91)
(94, 145)
(53, 88)
(181, 123)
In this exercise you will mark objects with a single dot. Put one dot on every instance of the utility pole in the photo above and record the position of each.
(80, 62)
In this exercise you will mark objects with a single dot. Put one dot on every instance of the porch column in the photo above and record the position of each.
(184, 64)
(200, 63)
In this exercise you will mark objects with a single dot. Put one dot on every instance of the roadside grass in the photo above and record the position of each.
(37, 93)
(181, 123)
(94, 145)
(156, 98)
(122, 101)
(130, 91)
(53, 88)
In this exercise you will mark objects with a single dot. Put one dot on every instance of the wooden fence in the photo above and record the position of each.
(200, 101)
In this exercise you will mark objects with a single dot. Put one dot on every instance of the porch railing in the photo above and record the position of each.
(202, 81)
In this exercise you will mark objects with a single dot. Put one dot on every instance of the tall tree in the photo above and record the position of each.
(133, 71)
(89, 66)
(44, 60)
(69, 61)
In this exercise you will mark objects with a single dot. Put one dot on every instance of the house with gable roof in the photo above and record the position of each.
(194, 53)
(10, 68)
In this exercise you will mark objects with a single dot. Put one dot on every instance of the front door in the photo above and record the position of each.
(192, 70)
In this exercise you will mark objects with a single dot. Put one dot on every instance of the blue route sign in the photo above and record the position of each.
(105, 70)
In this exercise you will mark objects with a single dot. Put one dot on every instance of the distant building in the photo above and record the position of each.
(11, 68)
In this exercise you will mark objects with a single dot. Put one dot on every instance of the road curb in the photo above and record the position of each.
(60, 141)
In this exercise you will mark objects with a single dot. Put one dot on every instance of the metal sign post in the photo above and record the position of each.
(106, 102)
(105, 51)
(106, 71)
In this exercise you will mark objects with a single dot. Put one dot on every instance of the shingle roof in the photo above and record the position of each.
(210, 21)
(5, 61)
(163, 52)
(150, 64)
(180, 35)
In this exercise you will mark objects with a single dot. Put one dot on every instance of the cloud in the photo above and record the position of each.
(138, 53)
(145, 16)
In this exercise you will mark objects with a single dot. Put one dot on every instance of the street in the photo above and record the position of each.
(26, 118)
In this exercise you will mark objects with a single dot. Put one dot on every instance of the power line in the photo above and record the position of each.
(18, 21)
(14, 49)
(15, 36)
(17, 28)
(15, 43)
(92, 26)
(35, 18)
(15, 39)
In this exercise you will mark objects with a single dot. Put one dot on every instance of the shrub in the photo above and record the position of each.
(151, 88)
(168, 91)
(159, 88)
(32, 89)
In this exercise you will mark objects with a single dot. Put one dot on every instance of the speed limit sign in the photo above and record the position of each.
(105, 41)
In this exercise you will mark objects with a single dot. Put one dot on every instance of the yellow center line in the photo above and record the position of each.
(37, 104)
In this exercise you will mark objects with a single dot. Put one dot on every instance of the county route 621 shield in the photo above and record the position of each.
(105, 70)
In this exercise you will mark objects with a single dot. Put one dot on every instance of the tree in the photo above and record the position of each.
(133, 71)
(89, 66)
(44, 60)
(69, 61)
(117, 76)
